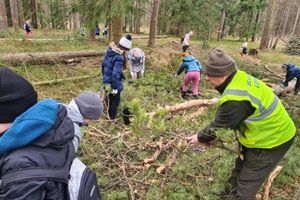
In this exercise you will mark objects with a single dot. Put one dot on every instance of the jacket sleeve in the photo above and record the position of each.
(181, 68)
(289, 76)
(230, 114)
(143, 62)
(117, 71)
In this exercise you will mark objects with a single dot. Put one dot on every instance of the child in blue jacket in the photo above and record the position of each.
(193, 70)
(292, 71)
(112, 71)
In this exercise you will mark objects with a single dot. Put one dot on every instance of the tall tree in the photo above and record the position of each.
(14, 13)
(283, 22)
(296, 21)
(153, 23)
(265, 38)
(20, 13)
(33, 6)
(221, 24)
(3, 17)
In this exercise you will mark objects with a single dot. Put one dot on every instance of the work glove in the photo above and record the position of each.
(114, 91)
(123, 76)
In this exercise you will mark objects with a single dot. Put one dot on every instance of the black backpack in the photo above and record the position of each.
(83, 182)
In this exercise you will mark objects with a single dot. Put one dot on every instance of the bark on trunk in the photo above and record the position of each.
(265, 38)
(21, 13)
(222, 20)
(3, 17)
(14, 13)
(47, 57)
(153, 23)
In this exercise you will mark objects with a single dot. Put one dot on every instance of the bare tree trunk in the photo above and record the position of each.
(153, 23)
(265, 38)
(137, 18)
(3, 17)
(256, 21)
(33, 11)
(283, 22)
(296, 21)
(14, 13)
(249, 24)
(221, 25)
(117, 28)
(21, 12)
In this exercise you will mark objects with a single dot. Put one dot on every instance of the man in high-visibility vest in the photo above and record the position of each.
(250, 107)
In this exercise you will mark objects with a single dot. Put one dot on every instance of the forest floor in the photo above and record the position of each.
(149, 159)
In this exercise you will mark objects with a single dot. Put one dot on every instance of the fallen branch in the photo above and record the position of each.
(186, 105)
(270, 180)
(63, 80)
(199, 112)
(168, 163)
(157, 153)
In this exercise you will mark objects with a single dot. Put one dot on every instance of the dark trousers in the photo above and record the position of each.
(249, 174)
(185, 47)
(112, 103)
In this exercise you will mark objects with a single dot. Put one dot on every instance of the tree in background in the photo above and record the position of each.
(265, 38)
(3, 16)
(153, 23)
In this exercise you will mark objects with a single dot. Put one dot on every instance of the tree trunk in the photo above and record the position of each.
(3, 17)
(256, 21)
(21, 12)
(283, 22)
(221, 25)
(265, 38)
(33, 11)
(296, 21)
(153, 23)
(117, 28)
(14, 13)
(249, 24)
(47, 57)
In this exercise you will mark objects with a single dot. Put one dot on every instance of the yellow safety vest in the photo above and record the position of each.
(270, 125)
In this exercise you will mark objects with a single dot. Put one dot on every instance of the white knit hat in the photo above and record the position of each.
(125, 42)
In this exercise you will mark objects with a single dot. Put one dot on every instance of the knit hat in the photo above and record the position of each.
(16, 95)
(125, 42)
(219, 63)
(90, 105)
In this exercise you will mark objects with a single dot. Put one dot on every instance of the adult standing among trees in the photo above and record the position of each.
(112, 71)
(186, 40)
(248, 106)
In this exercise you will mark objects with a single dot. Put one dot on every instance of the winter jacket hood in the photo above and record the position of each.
(29, 126)
(189, 64)
(112, 67)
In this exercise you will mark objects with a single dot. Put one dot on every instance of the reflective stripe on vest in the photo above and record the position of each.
(264, 112)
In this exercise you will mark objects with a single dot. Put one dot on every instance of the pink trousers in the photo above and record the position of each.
(194, 78)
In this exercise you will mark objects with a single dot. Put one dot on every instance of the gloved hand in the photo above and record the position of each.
(123, 76)
(285, 84)
(114, 91)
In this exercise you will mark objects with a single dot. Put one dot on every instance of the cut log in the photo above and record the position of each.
(187, 105)
(46, 57)
(278, 90)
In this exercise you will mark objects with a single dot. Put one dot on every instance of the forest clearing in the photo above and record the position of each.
(150, 157)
